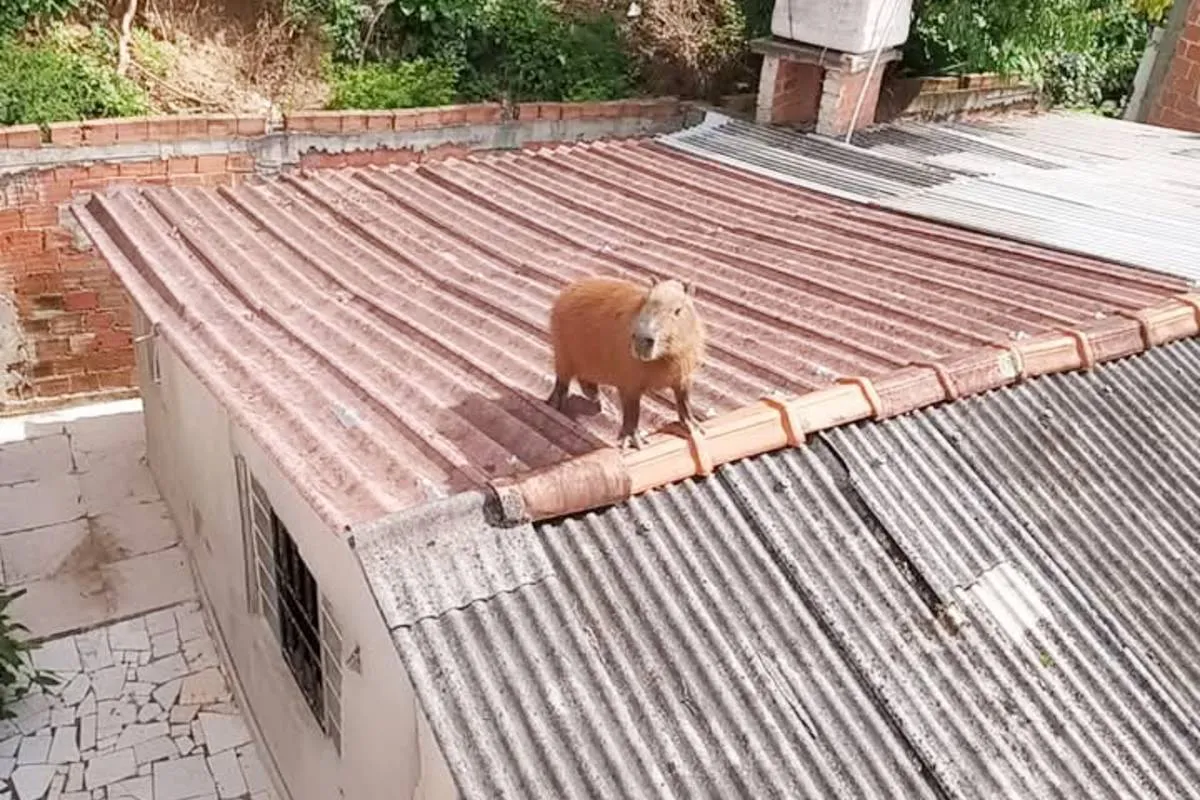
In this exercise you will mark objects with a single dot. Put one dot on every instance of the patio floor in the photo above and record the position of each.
(143, 710)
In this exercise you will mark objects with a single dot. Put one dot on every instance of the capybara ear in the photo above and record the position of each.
(690, 288)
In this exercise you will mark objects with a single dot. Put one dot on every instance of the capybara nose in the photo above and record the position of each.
(643, 345)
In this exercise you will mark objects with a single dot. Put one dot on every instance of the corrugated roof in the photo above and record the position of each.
(382, 331)
(994, 598)
(1077, 182)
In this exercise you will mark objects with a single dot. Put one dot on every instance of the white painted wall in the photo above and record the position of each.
(388, 751)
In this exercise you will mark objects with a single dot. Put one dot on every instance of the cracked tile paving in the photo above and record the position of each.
(143, 710)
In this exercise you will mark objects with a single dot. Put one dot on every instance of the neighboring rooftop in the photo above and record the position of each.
(1094, 186)
(382, 332)
(994, 598)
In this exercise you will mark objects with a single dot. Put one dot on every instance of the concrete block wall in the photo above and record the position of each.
(1174, 96)
(65, 321)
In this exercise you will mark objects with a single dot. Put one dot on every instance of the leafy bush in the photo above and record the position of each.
(1082, 52)
(44, 82)
(406, 84)
(341, 22)
(17, 673)
(525, 50)
(17, 14)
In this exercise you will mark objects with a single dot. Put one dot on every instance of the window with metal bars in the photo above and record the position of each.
(283, 590)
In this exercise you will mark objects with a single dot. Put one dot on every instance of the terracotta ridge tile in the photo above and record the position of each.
(609, 476)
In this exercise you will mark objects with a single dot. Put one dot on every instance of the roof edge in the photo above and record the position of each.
(609, 476)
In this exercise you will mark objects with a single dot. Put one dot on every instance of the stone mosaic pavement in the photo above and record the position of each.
(143, 710)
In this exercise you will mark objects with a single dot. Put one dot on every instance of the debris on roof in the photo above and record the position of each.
(1098, 187)
(382, 332)
(994, 597)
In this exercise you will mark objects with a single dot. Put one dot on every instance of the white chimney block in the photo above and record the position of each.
(850, 26)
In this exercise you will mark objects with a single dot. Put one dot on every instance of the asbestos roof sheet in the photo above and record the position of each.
(994, 598)
(1076, 182)
(382, 332)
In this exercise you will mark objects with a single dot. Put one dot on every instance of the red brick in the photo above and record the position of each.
(210, 163)
(81, 343)
(66, 134)
(56, 192)
(221, 126)
(16, 243)
(218, 179)
(181, 165)
(484, 114)
(22, 136)
(571, 111)
(80, 301)
(117, 379)
(251, 126)
(185, 180)
(550, 111)
(103, 171)
(66, 324)
(112, 339)
(406, 119)
(143, 169)
(449, 116)
(193, 127)
(68, 365)
(58, 238)
(112, 298)
(427, 118)
(50, 387)
(38, 263)
(50, 349)
(39, 217)
(123, 317)
(10, 220)
(67, 174)
(162, 129)
(133, 129)
(100, 132)
(240, 162)
(379, 120)
(37, 283)
(100, 320)
(353, 123)
(81, 384)
(315, 121)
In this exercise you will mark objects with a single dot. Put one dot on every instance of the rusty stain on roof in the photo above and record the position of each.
(382, 332)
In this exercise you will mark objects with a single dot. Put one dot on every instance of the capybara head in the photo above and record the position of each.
(666, 320)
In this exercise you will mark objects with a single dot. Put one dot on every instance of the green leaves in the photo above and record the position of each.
(17, 673)
(408, 84)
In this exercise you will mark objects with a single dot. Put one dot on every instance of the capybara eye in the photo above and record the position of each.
(679, 311)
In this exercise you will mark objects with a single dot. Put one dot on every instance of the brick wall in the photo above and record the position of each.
(65, 321)
(1176, 99)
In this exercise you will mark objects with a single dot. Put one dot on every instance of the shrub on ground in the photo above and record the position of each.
(17, 673)
(407, 84)
(61, 78)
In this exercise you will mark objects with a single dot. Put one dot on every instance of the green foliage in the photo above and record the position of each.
(407, 84)
(525, 50)
(17, 14)
(758, 17)
(341, 22)
(1082, 52)
(522, 49)
(63, 78)
(17, 673)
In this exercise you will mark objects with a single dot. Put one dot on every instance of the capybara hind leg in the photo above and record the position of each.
(558, 396)
(683, 407)
(631, 411)
(590, 390)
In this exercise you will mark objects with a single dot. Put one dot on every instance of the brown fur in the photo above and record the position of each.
(593, 326)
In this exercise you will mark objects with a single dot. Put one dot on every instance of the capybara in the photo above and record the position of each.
(636, 338)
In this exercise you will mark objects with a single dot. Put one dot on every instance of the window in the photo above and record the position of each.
(284, 591)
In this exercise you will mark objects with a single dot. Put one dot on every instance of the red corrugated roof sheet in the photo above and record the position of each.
(383, 331)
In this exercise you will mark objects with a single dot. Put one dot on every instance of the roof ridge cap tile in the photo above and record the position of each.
(608, 476)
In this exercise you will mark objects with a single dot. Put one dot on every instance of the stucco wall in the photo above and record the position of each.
(388, 749)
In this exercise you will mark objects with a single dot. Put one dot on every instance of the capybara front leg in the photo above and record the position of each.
(631, 410)
(558, 396)
(683, 407)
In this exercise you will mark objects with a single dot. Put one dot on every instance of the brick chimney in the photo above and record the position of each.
(823, 65)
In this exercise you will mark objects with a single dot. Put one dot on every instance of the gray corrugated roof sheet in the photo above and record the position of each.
(995, 598)
(1076, 182)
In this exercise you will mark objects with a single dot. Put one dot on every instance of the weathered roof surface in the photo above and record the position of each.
(1085, 184)
(382, 331)
(994, 598)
